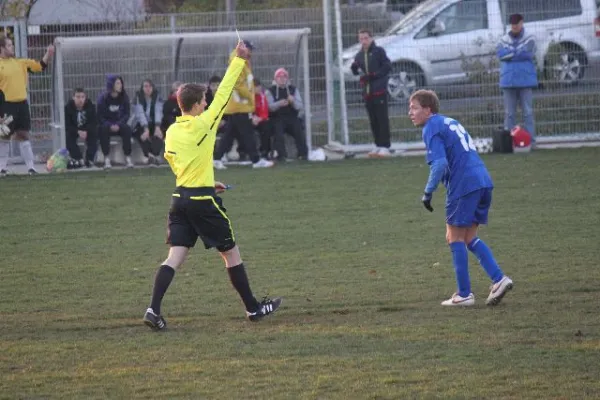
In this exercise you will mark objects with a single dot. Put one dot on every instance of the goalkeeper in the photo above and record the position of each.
(196, 210)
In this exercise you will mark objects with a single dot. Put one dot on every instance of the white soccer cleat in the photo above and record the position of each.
(218, 164)
(262, 163)
(107, 164)
(498, 290)
(128, 162)
(459, 301)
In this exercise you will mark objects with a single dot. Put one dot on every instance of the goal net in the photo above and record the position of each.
(165, 58)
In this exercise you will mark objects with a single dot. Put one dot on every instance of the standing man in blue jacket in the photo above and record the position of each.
(518, 74)
(373, 66)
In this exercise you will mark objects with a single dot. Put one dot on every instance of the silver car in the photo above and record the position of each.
(429, 45)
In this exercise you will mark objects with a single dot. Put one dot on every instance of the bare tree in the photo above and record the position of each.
(16, 8)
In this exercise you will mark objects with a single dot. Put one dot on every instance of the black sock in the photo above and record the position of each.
(239, 280)
(162, 280)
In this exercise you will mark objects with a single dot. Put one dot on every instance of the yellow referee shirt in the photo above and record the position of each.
(190, 141)
(13, 77)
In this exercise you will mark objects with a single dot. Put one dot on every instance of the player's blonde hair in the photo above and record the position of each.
(427, 99)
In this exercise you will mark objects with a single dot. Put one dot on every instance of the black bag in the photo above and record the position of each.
(502, 141)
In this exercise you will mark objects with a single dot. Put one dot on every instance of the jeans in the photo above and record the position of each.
(511, 97)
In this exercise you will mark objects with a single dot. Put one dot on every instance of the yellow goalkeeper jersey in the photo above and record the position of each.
(13, 77)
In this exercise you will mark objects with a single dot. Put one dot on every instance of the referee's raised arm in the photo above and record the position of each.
(217, 107)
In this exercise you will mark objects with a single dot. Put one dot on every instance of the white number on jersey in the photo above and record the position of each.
(463, 135)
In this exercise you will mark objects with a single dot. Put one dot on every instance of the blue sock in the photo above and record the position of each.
(486, 259)
(460, 258)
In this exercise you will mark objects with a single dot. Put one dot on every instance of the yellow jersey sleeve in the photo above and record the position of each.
(31, 65)
(212, 116)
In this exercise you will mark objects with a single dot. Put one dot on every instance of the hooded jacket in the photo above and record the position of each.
(242, 97)
(80, 120)
(113, 110)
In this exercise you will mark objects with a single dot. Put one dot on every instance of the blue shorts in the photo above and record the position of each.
(469, 209)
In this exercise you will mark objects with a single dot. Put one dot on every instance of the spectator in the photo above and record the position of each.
(148, 114)
(375, 66)
(170, 108)
(213, 85)
(260, 119)
(285, 104)
(113, 114)
(81, 122)
(518, 74)
(238, 111)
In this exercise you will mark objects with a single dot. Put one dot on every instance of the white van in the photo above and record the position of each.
(428, 46)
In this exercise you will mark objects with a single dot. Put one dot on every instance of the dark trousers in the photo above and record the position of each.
(91, 144)
(291, 125)
(238, 126)
(265, 134)
(377, 108)
(125, 133)
(152, 145)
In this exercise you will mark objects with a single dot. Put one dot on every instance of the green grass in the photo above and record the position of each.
(363, 268)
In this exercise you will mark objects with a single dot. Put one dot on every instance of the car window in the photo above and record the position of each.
(464, 16)
(540, 10)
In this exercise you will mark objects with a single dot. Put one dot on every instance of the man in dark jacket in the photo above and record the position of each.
(170, 108)
(80, 122)
(114, 110)
(372, 63)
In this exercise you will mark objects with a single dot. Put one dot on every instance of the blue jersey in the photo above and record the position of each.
(466, 171)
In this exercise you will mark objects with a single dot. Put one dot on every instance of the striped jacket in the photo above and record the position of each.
(517, 61)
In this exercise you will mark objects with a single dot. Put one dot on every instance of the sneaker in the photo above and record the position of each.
(374, 152)
(3, 173)
(107, 164)
(32, 172)
(218, 164)
(128, 162)
(457, 300)
(498, 290)
(262, 163)
(156, 322)
(265, 307)
(384, 152)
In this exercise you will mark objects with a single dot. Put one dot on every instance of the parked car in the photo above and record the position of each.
(429, 45)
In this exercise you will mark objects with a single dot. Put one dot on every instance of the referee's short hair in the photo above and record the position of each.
(189, 94)
(427, 99)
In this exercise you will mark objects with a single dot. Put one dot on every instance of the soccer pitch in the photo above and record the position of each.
(361, 264)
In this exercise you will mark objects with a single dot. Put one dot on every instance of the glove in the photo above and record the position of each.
(354, 68)
(426, 199)
(4, 128)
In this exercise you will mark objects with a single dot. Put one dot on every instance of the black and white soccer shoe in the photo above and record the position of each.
(265, 307)
(156, 322)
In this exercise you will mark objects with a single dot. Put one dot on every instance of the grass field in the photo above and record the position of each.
(362, 266)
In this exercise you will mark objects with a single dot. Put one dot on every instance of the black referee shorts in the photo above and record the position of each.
(199, 213)
(20, 113)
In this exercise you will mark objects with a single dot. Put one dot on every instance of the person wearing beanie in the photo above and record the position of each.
(285, 106)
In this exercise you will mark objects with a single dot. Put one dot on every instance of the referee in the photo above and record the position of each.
(13, 83)
(196, 210)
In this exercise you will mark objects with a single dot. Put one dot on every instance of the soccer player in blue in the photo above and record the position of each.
(453, 160)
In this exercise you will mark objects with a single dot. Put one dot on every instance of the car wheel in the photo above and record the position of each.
(566, 65)
(403, 81)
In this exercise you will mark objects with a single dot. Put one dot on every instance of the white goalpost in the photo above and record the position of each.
(165, 58)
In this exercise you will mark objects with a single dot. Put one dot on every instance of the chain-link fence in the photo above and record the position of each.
(459, 61)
